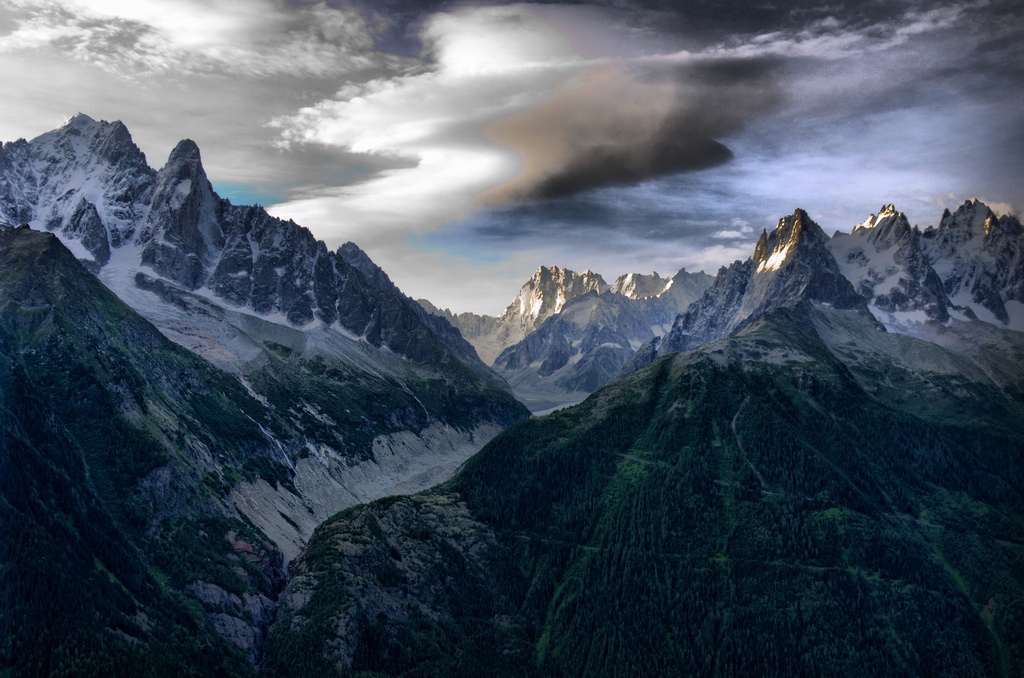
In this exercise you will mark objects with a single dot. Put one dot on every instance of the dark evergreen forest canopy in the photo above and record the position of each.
(747, 508)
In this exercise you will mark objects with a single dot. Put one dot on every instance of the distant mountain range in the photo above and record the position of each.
(566, 334)
(885, 269)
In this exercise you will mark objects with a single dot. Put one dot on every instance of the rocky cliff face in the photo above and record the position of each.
(791, 264)
(583, 331)
(322, 339)
(884, 259)
(980, 259)
(546, 293)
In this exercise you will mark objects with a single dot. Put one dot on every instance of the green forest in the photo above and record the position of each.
(698, 518)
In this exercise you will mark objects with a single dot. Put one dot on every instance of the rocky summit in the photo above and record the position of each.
(566, 334)
(789, 265)
(903, 276)
(249, 381)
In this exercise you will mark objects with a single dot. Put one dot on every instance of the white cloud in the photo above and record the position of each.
(488, 63)
(831, 39)
(1001, 208)
(740, 230)
(510, 110)
(175, 37)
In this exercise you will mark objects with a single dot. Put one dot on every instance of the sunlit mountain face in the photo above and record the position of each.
(511, 339)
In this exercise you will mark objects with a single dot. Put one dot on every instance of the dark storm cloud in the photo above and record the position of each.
(646, 213)
(620, 126)
(611, 164)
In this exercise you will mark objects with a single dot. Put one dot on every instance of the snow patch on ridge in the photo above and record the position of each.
(775, 261)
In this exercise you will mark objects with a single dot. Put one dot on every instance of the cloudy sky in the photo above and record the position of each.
(463, 144)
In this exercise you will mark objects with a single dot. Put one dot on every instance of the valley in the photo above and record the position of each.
(227, 449)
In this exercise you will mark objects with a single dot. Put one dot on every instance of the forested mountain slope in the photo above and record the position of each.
(753, 506)
(120, 553)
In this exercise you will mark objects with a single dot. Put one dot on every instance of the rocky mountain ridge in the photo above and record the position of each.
(90, 184)
(543, 295)
(377, 394)
(789, 264)
(897, 277)
(567, 333)
(967, 268)
(980, 259)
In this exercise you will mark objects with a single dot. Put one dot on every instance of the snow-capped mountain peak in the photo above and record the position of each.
(883, 259)
(79, 119)
(640, 286)
(791, 264)
(158, 237)
(547, 291)
(775, 249)
(885, 215)
(980, 259)
(87, 181)
(969, 266)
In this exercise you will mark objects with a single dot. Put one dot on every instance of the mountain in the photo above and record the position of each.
(799, 491)
(574, 352)
(789, 265)
(90, 184)
(375, 395)
(684, 288)
(546, 293)
(566, 334)
(540, 297)
(969, 266)
(912, 282)
(884, 259)
(639, 286)
(980, 259)
(816, 471)
(810, 495)
(122, 550)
